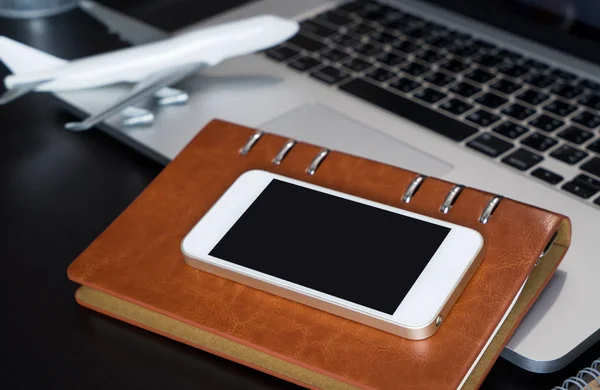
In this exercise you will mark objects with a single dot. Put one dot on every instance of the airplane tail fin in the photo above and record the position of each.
(21, 58)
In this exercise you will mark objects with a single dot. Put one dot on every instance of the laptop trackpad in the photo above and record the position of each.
(323, 126)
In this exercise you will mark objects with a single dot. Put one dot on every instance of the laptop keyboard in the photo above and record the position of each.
(496, 102)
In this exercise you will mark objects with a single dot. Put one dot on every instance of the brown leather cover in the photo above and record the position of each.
(135, 271)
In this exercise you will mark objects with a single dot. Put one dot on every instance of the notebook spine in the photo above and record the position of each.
(584, 378)
(410, 192)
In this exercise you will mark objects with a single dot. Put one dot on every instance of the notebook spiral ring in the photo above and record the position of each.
(582, 379)
(284, 151)
(312, 168)
(489, 209)
(413, 188)
(250, 143)
(451, 198)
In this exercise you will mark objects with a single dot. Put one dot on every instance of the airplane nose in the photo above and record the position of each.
(291, 26)
(286, 28)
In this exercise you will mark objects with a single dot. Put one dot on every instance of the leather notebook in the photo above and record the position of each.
(134, 270)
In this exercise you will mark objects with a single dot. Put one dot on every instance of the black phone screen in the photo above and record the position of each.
(337, 246)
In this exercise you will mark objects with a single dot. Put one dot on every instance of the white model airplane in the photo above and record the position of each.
(153, 67)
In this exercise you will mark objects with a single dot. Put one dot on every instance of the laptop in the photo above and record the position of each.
(502, 96)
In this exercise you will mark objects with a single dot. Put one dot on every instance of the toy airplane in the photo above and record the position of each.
(153, 67)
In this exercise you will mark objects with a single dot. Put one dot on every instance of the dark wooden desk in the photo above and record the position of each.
(58, 191)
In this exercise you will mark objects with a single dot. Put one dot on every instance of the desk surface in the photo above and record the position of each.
(58, 191)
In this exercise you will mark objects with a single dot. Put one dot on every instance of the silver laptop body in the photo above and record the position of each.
(271, 94)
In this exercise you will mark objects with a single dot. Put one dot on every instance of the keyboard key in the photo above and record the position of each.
(592, 166)
(357, 64)
(510, 129)
(330, 75)
(430, 56)
(518, 111)
(487, 60)
(491, 100)
(539, 80)
(563, 74)
(505, 86)
(334, 55)
(402, 21)
(430, 95)
(547, 176)
(303, 63)
(371, 11)
(281, 53)
(352, 6)
(440, 79)
(454, 66)
(591, 101)
(414, 69)
(569, 154)
(360, 29)
(522, 159)
(595, 146)
(391, 59)
(546, 123)
(465, 89)
(480, 76)
(417, 32)
(317, 29)
(536, 64)
(567, 91)
(587, 181)
(587, 119)
(484, 45)
(396, 25)
(490, 145)
(583, 186)
(381, 75)
(334, 18)
(575, 135)
(463, 51)
(539, 142)
(483, 118)
(533, 97)
(405, 46)
(409, 109)
(367, 49)
(579, 190)
(513, 70)
(460, 37)
(438, 29)
(392, 14)
(505, 53)
(560, 108)
(306, 43)
(440, 42)
(597, 201)
(589, 84)
(456, 106)
(345, 40)
(405, 85)
(382, 37)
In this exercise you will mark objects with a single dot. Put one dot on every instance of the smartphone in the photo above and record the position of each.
(376, 264)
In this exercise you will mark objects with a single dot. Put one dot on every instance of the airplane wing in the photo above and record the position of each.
(129, 29)
(143, 89)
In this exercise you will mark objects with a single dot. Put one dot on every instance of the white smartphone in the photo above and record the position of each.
(375, 264)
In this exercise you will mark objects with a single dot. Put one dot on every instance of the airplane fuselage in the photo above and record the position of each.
(210, 45)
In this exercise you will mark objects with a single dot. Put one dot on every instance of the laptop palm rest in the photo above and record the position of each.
(323, 126)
